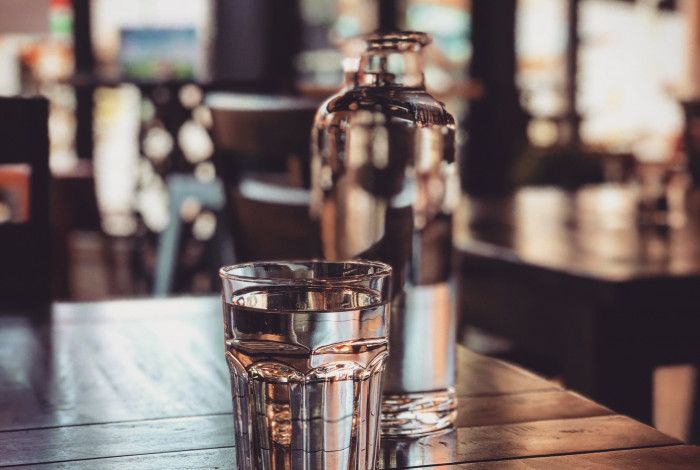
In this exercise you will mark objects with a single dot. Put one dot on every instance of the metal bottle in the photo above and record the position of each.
(384, 184)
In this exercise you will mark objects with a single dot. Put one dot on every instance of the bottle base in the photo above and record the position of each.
(414, 414)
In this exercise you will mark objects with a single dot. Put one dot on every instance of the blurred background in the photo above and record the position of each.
(565, 94)
(550, 92)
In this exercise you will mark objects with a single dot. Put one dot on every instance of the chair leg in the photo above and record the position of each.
(166, 257)
(225, 239)
(221, 252)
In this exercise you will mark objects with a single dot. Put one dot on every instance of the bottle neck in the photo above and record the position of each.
(350, 68)
(391, 67)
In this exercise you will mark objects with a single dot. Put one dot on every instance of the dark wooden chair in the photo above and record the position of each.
(25, 266)
(268, 208)
(273, 221)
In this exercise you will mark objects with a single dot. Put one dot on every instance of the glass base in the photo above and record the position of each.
(413, 414)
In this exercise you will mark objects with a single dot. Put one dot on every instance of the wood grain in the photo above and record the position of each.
(461, 445)
(152, 436)
(222, 459)
(143, 384)
(523, 407)
(481, 375)
(115, 439)
(673, 457)
(135, 360)
(531, 439)
(113, 361)
(555, 437)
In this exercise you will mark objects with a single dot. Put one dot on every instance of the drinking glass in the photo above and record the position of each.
(306, 343)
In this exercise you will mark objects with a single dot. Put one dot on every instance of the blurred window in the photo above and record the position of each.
(631, 59)
(326, 24)
(112, 19)
(116, 156)
(448, 22)
(541, 42)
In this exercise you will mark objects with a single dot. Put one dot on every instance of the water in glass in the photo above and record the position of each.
(306, 367)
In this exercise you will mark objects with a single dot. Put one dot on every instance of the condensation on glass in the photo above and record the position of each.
(384, 184)
(306, 344)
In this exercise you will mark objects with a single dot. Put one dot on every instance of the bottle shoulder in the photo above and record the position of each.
(406, 104)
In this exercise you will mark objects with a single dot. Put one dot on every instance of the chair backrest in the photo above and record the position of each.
(25, 266)
(262, 125)
(269, 214)
(273, 221)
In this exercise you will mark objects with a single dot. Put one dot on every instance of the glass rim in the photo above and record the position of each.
(381, 270)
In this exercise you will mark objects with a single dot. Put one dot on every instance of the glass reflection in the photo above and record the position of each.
(434, 449)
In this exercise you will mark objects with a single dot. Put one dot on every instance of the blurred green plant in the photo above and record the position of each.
(566, 167)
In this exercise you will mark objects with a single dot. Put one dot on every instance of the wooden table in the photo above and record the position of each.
(573, 277)
(143, 385)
